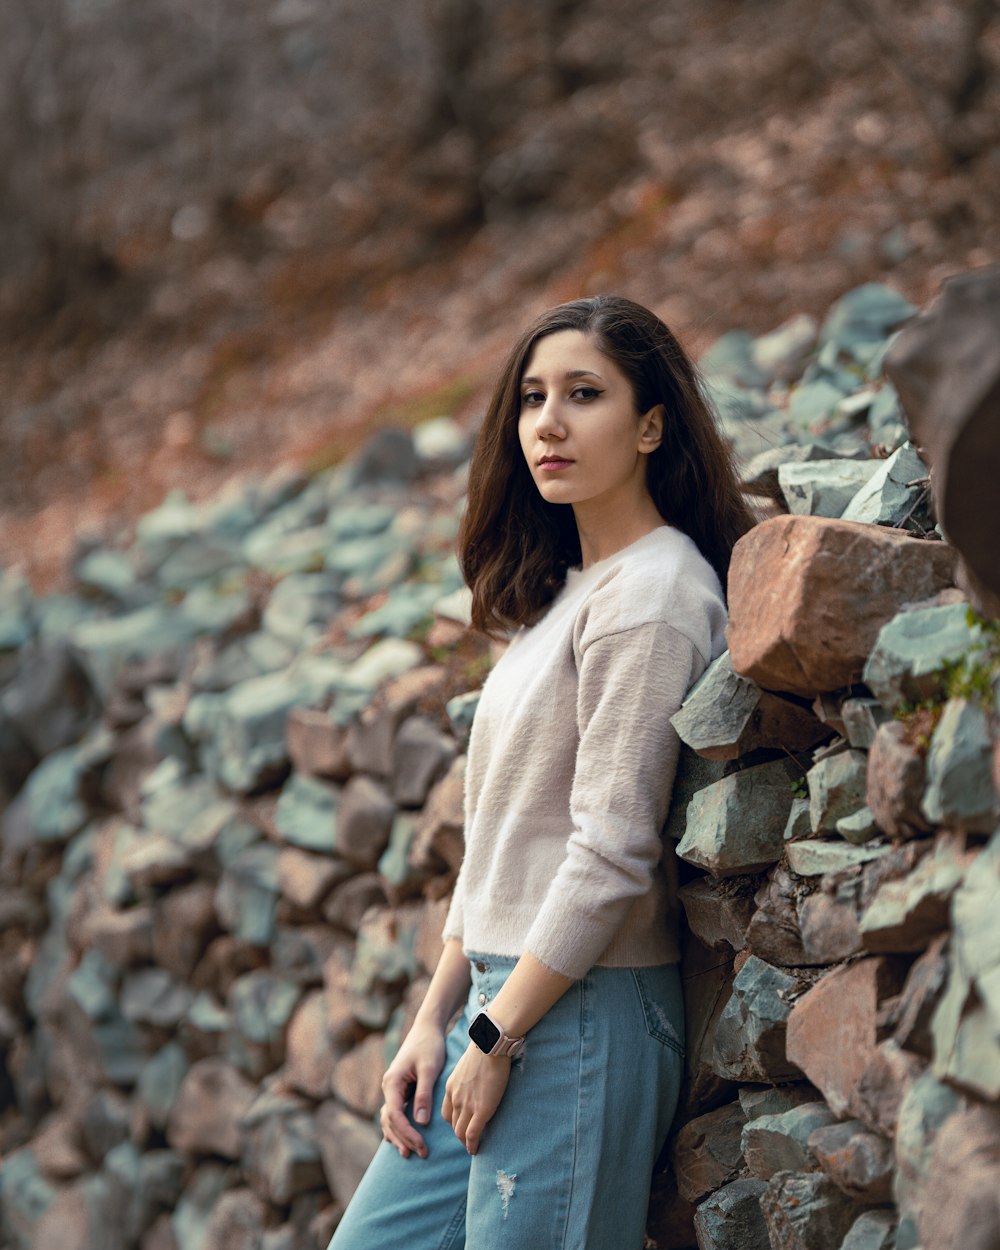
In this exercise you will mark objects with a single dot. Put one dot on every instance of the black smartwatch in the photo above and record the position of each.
(491, 1039)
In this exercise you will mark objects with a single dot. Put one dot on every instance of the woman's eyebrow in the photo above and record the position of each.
(573, 373)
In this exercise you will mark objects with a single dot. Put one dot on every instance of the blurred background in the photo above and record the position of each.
(240, 232)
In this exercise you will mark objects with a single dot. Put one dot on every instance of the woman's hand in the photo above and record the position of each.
(416, 1066)
(473, 1093)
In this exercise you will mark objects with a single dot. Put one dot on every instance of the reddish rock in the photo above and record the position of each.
(58, 1149)
(857, 1160)
(184, 924)
(946, 367)
(364, 821)
(226, 959)
(828, 922)
(808, 595)
(895, 783)
(237, 1221)
(310, 1052)
(347, 1143)
(925, 985)
(211, 1102)
(124, 937)
(372, 736)
(773, 933)
(961, 1201)
(706, 1152)
(357, 1077)
(718, 910)
(883, 1085)
(160, 1236)
(68, 1224)
(305, 879)
(430, 923)
(317, 746)
(831, 1031)
(439, 843)
(805, 1211)
(421, 754)
(349, 901)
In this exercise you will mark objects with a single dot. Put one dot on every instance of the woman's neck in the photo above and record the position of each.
(604, 534)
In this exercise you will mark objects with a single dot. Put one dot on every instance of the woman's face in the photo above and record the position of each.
(581, 436)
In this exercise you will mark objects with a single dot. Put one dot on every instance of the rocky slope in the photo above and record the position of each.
(232, 774)
(252, 232)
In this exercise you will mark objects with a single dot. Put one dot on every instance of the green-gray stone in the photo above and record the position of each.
(160, 1080)
(191, 1216)
(394, 863)
(825, 487)
(55, 810)
(750, 1036)
(779, 1142)
(859, 827)
(301, 607)
(737, 825)
(865, 315)
(812, 857)
(93, 986)
(306, 813)
(247, 896)
(907, 663)
(895, 495)
(798, 824)
(814, 401)
(836, 788)
(926, 1104)
(731, 1218)
(461, 712)
(261, 1005)
(959, 792)
(107, 644)
(717, 708)
(25, 1196)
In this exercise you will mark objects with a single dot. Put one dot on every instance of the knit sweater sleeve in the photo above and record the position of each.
(631, 682)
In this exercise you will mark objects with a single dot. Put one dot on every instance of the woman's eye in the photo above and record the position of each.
(531, 399)
(585, 392)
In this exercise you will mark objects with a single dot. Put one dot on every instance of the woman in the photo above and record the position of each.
(602, 510)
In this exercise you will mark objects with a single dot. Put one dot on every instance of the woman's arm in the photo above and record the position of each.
(475, 1088)
(421, 1057)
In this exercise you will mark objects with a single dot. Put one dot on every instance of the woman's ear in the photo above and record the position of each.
(651, 429)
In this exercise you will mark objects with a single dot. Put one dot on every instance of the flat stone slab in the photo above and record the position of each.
(812, 857)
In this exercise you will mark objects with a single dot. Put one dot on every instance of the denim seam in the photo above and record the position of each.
(457, 1221)
(577, 1113)
(652, 1028)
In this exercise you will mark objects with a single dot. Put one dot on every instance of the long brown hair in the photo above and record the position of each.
(515, 547)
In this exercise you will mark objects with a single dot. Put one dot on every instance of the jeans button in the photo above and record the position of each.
(480, 967)
(483, 1000)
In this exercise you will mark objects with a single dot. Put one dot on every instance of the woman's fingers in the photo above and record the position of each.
(427, 1074)
(396, 1126)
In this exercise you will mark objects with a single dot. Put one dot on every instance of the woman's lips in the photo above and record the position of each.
(554, 466)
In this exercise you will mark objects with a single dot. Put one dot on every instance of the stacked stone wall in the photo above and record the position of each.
(232, 782)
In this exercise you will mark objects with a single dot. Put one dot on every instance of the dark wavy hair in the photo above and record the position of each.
(515, 547)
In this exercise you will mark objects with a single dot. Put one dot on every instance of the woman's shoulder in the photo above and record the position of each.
(662, 578)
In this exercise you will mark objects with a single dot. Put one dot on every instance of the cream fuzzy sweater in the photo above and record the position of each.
(571, 763)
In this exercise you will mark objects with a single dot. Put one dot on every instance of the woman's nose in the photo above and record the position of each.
(548, 422)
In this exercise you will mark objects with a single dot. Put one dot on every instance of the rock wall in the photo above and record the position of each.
(232, 776)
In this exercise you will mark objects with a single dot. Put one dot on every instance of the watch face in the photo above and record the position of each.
(484, 1032)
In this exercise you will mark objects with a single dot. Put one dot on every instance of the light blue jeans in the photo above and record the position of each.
(565, 1164)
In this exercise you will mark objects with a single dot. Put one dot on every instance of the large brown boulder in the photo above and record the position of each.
(808, 595)
(945, 366)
